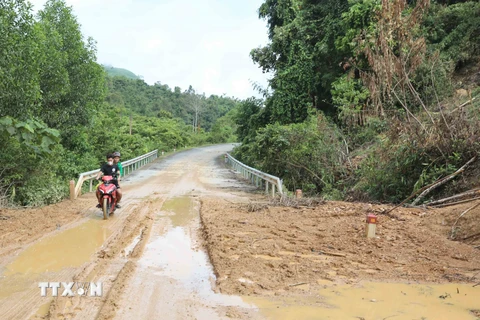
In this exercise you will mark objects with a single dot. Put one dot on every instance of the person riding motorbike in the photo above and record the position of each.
(116, 160)
(109, 169)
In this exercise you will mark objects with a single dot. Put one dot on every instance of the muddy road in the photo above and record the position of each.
(269, 261)
(148, 256)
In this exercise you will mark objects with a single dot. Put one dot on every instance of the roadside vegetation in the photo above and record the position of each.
(60, 112)
(369, 100)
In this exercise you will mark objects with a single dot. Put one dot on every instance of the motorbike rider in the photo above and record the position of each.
(116, 160)
(109, 169)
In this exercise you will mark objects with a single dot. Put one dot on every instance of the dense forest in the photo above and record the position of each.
(60, 111)
(369, 99)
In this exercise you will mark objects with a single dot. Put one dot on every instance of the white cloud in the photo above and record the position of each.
(203, 43)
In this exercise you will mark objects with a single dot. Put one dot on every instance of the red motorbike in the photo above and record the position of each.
(108, 196)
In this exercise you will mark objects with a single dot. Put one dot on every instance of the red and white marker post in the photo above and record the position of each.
(371, 225)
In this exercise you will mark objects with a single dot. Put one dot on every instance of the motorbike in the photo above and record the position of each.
(108, 196)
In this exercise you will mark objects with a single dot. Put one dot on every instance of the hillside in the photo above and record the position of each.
(119, 72)
(160, 101)
(370, 102)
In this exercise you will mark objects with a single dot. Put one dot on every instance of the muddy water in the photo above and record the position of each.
(69, 248)
(41, 261)
(172, 256)
(372, 301)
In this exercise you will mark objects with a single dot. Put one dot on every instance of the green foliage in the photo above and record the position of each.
(249, 118)
(224, 129)
(119, 72)
(306, 155)
(69, 70)
(385, 74)
(161, 101)
(31, 133)
(19, 60)
(349, 96)
(302, 56)
(56, 118)
(454, 31)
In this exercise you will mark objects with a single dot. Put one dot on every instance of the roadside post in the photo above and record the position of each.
(371, 225)
(72, 190)
(298, 193)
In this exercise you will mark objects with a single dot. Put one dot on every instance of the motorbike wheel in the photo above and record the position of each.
(105, 208)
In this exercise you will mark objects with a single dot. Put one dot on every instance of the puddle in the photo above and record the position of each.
(129, 249)
(41, 261)
(42, 312)
(69, 248)
(173, 255)
(181, 210)
(374, 301)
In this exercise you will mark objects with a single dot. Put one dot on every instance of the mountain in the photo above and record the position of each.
(119, 72)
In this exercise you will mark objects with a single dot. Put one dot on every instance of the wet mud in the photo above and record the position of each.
(183, 247)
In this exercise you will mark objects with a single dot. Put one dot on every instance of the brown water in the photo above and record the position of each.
(69, 248)
(372, 301)
(40, 262)
(174, 262)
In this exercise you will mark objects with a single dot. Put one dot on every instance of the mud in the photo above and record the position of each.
(184, 212)
(467, 228)
(69, 248)
(27, 225)
(374, 301)
(289, 246)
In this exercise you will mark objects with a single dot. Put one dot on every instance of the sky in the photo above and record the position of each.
(203, 43)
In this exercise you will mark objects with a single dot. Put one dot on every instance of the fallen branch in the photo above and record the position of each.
(410, 197)
(443, 181)
(297, 284)
(332, 254)
(463, 213)
(463, 104)
(478, 284)
(460, 195)
(456, 202)
(472, 236)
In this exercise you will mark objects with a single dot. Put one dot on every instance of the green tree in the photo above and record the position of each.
(77, 84)
(19, 60)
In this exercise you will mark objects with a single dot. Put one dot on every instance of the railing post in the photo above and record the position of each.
(266, 187)
(91, 185)
(273, 190)
(72, 190)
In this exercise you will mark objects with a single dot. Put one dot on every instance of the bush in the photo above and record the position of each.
(307, 155)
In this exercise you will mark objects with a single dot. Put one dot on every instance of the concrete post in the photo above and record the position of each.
(371, 226)
(298, 193)
(72, 190)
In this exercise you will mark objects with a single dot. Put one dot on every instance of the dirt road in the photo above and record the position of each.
(269, 261)
(148, 256)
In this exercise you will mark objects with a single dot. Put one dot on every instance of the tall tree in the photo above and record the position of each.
(19, 60)
(78, 84)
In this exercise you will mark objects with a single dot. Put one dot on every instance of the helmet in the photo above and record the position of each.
(116, 154)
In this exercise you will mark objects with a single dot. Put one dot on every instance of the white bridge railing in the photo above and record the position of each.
(128, 167)
(256, 177)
